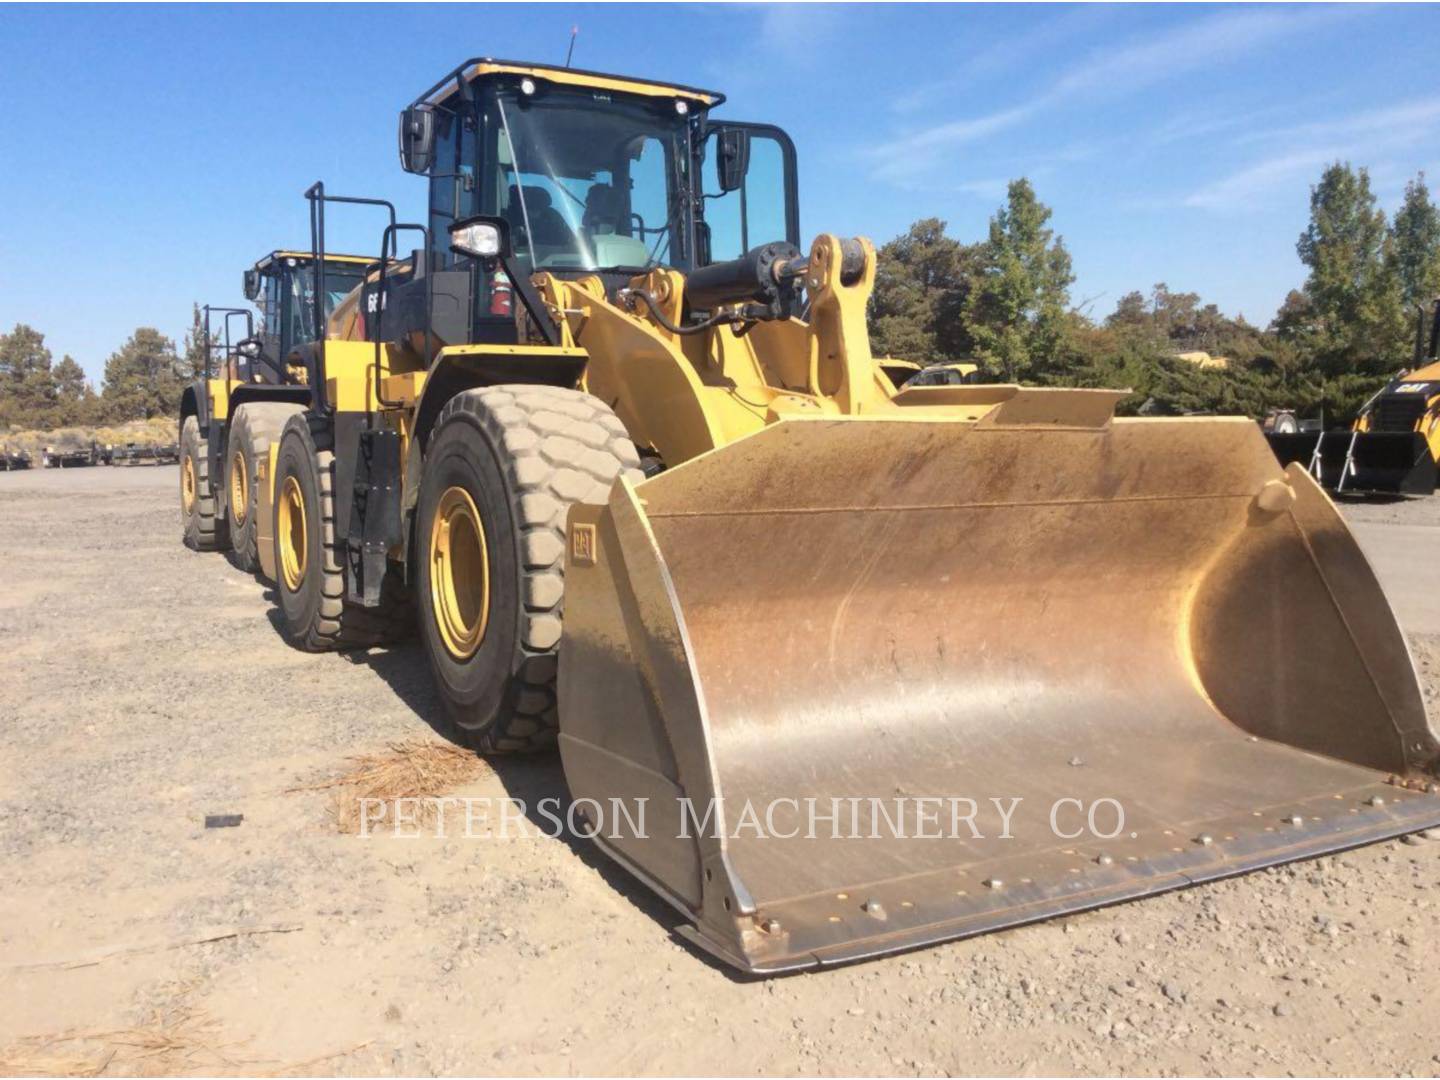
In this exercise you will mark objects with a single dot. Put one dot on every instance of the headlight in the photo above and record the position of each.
(481, 239)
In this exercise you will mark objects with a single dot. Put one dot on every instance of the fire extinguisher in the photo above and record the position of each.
(500, 297)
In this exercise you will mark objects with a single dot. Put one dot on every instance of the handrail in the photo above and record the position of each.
(389, 236)
(315, 193)
(228, 313)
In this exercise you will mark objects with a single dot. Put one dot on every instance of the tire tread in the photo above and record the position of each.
(558, 447)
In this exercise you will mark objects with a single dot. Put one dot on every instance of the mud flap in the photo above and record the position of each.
(883, 682)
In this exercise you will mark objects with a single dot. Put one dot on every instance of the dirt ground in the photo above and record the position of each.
(144, 686)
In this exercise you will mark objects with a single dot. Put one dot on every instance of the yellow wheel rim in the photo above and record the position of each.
(459, 573)
(187, 484)
(290, 529)
(239, 488)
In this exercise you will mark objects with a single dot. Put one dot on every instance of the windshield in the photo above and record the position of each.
(340, 278)
(587, 181)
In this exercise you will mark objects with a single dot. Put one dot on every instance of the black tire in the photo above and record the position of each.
(254, 427)
(204, 529)
(317, 617)
(523, 455)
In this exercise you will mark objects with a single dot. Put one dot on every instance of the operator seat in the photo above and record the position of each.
(547, 227)
(602, 210)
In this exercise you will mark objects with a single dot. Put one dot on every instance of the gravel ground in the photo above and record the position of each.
(145, 686)
(1391, 510)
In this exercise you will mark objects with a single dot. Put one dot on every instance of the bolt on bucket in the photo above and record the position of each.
(886, 682)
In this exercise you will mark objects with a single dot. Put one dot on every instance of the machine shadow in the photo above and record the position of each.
(528, 779)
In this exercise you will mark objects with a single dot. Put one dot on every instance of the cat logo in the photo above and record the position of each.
(584, 545)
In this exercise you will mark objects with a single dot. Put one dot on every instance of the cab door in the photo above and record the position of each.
(764, 207)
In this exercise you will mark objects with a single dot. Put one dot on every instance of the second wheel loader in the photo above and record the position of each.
(250, 387)
(626, 445)
(1393, 446)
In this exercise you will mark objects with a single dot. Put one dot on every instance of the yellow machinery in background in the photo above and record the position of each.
(251, 386)
(961, 373)
(905, 373)
(624, 447)
(898, 371)
(1393, 447)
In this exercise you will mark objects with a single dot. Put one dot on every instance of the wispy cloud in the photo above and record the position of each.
(1058, 28)
(1200, 45)
(1369, 134)
(1197, 124)
(959, 132)
(992, 189)
(1105, 73)
(1244, 186)
(1418, 115)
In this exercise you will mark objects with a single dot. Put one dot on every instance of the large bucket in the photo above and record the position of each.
(1387, 462)
(1169, 650)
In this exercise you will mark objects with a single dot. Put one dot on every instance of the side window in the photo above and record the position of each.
(649, 211)
(446, 187)
(467, 195)
(301, 304)
(757, 212)
(272, 305)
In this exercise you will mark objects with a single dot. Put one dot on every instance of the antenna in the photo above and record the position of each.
(574, 33)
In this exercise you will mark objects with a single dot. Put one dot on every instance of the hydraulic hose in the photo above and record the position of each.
(718, 319)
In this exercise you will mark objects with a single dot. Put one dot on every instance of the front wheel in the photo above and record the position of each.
(502, 468)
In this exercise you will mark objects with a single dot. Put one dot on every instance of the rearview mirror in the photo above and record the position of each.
(732, 157)
(417, 139)
(252, 285)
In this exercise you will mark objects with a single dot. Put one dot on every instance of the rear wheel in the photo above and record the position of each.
(255, 427)
(204, 529)
(309, 567)
(502, 468)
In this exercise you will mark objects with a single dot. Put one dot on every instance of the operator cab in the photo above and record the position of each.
(594, 174)
(282, 286)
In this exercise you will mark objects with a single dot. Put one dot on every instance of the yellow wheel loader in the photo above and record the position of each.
(229, 416)
(1393, 447)
(899, 371)
(950, 374)
(864, 668)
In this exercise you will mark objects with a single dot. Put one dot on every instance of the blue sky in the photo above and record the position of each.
(152, 153)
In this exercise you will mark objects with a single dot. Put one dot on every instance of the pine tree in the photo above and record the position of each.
(1415, 246)
(1130, 311)
(917, 309)
(1353, 293)
(145, 378)
(1017, 310)
(27, 385)
(74, 400)
(196, 343)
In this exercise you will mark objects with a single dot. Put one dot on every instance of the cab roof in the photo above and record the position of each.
(1428, 373)
(480, 67)
(265, 262)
